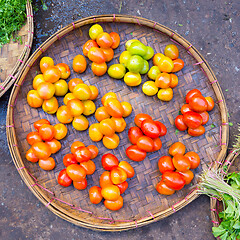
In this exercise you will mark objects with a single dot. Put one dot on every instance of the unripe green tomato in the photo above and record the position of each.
(145, 67)
(138, 48)
(94, 31)
(135, 64)
(149, 54)
(124, 57)
(116, 71)
(132, 79)
(153, 72)
(129, 42)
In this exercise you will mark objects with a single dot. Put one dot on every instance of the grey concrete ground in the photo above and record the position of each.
(213, 28)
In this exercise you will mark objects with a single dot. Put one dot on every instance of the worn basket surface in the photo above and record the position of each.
(142, 203)
(14, 55)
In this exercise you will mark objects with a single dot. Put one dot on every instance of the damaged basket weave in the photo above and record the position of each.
(142, 203)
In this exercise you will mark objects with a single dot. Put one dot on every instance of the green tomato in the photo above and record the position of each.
(149, 54)
(94, 31)
(129, 42)
(153, 72)
(124, 57)
(135, 64)
(116, 71)
(145, 68)
(132, 79)
(138, 48)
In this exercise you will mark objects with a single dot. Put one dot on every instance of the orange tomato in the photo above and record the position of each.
(127, 168)
(120, 124)
(114, 107)
(41, 150)
(99, 69)
(54, 145)
(80, 185)
(46, 62)
(94, 92)
(111, 142)
(93, 150)
(64, 70)
(95, 133)
(187, 176)
(82, 91)
(95, 195)
(33, 99)
(80, 123)
(89, 167)
(37, 80)
(114, 205)
(177, 147)
(61, 131)
(171, 51)
(174, 80)
(96, 55)
(165, 94)
(162, 188)
(47, 164)
(210, 103)
(108, 96)
(50, 106)
(122, 187)
(181, 163)
(51, 74)
(47, 132)
(163, 80)
(127, 108)
(139, 118)
(39, 123)
(76, 107)
(79, 64)
(105, 179)
(115, 39)
(166, 64)
(156, 58)
(61, 87)
(107, 127)
(89, 107)
(76, 145)
(76, 172)
(87, 45)
(33, 137)
(104, 40)
(193, 158)
(64, 115)
(101, 114)
(108, 53)
(68, 97)
(178, 65)
(30, 156)
(111, 192)
(73, 83)
(45, 90)
(118, 175)
(205, 117)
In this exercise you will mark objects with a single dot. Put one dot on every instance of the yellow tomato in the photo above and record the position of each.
(50, 106)
(165, 94)
(111, 142)
(107, 127)
(89, 107)
(153, 72)
(95, 133)
(120, 124)
(61, 87)
(124, 57)
(82, 91)
(33, 99)
(68, 97)
(76, 107)
(37, 80)
(149, 88)
(174, 80)
(64, 115)
(166, 64)
(127, 108)
(80, 123)
(132, 79)
(61, 131)
(94, 92)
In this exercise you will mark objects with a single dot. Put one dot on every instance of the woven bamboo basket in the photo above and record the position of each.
(13, 55)
(142, 203)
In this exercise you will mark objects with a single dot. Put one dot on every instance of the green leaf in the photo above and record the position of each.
(237, 225)
(228, 114)
(177, 131)
(224, 236)
(226, 90)
(230, 124)
(180, 25)
(131, 33)
(217, 231)
(212, 125)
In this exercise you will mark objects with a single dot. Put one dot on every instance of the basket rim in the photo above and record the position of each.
(23, 57)
(11, 136)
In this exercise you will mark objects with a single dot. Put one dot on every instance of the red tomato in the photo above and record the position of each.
(179, 123)
(157, 144)
(41, 150)
(173, 180)
(105, 179)
(181, 163)
(187, 176)
(178, 65)
(93, 150)
(192, 119)
(177, 147)
(111, 192)
(193, 158)
(89, 167)
(127, 168)
(54, 145)
(145, 143)
(165, 164)
(118, 175)
(150, 128)
(96, 55)
(47, 164)
(115, 39)
(69, 159)
(104, 40)
(135, 154)
(95, 194)
(134, 133)
(122, 187)
(192, 93)
(82, 154)
(33, 137)
(114, 205)
(76, 145)
(80, 185)
(210, 103)
(88, 44)
(47, 132)
(39, 123)
(198, 104)
(205, 117)
(63, 179)
(109, 161)
(162, 188)
(30, 156)
(163, 128)
(185, 108)
(196, 131)
(76, 172)
(140, 117)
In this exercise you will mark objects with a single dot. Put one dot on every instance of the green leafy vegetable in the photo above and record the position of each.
(177, 131)
(212, 125)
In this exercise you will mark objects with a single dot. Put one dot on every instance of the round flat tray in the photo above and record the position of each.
(142, 203)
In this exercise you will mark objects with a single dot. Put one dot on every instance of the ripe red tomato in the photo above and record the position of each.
(69, 159)
(192, 119)
(95, 194)
(178, 65)
(30, 156)
(145, 143)
(54, 145)
(93, 150)
(41, 150)
(76, 172)
(173, 180)
(109, 161)
(47, 132)
(193, 158)
(140, 117)
(118, 175)
(111, 192)
(122, 187)
(96, 55)
(80, 185)
(157, 144)
(162, 188)
(33, 137)
(105, 179)
(198, 103)
(205, 117)
(163, 128)
(185, 108)
(187, 176)
(127, 168)
(177, 147)
(63, 179)
(114, 205)
(192, 93)
(181, 163)
(88, 44)
(150, 128)
(134, 133)
(82, 154)
(165, 164)
(39, 123)
(180, 124)
(89, 167)
(196, 132)
(210, 103)
(135, 154)
(115, 39)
